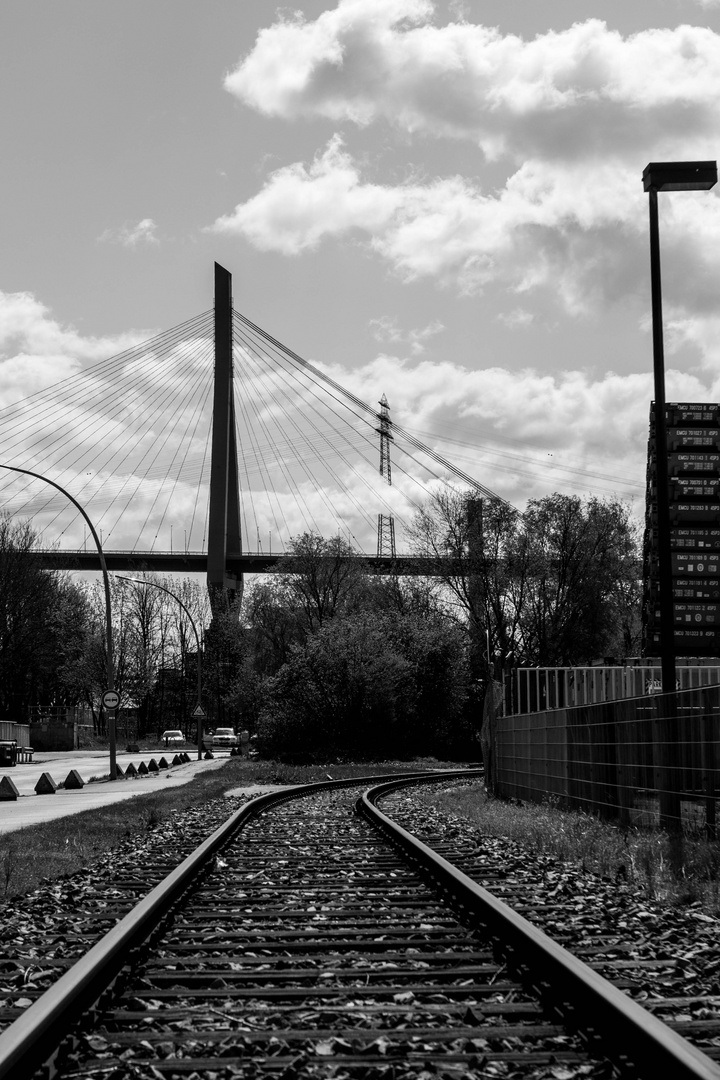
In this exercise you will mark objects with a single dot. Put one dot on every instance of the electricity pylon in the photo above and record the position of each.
(386, 522)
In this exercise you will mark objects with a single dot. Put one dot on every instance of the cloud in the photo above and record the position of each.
(131, 236)
(301, 205)
(386, 330)
(36, 350)
(516, 317)
(569, 93)
(572, 116)
(62, 420)
(525, 434)
(546, 227)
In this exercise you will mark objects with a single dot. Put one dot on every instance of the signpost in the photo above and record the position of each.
(199, 714)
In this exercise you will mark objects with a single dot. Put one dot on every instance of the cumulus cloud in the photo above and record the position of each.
(301, 205)
(386, 330)
(36, 350)
(585, 89)
(571, 116)
(516, 317)
(51, 425)
(525, 433)
(587, 238)
(132, 236)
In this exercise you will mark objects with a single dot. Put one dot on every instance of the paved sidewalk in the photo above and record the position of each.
(31, 809)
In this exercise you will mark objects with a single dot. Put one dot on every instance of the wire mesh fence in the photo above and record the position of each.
(652, 760)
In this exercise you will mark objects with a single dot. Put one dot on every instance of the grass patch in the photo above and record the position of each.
(39, 853)
(660, 867)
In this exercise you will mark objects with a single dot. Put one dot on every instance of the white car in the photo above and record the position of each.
(172, 738)
(224, 736)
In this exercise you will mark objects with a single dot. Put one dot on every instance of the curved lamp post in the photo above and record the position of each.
(198, 710)
(108, 609)
(666, 176)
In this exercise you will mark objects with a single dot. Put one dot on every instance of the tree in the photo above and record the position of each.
(275, 621)
(473, 548)
(40, 623)
(321, 575)
(369, 684)
(555, 585)
(581, 560)
(152, 637)
(225, 650)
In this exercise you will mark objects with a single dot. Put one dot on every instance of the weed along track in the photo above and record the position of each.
(310, 937)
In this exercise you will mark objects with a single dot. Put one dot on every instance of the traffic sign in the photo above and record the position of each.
(199, 711)
(111, 699)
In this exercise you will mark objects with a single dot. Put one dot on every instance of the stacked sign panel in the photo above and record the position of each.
(693, 449)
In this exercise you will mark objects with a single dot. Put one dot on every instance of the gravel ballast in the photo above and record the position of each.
(44, 931)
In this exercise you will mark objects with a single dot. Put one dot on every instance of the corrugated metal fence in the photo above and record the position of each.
(18, 733)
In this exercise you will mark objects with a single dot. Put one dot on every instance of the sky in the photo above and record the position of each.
(439, 202)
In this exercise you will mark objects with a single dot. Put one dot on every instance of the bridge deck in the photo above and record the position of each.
(195, 562)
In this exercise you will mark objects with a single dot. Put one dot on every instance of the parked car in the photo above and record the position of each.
(173, 738)
(224, 736)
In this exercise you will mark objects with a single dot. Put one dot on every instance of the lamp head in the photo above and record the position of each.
(680, 175)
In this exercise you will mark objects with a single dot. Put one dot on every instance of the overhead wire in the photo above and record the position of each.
(138, 379)
(331, 444)
(300, 499)
(347, 396)
(292, 420)
(367, 438)
(260, 460)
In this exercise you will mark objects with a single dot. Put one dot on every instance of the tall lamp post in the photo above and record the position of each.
(108, 609)
(666, 176)
(199, 714)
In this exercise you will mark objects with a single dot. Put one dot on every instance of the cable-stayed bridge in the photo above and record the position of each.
(205, 450)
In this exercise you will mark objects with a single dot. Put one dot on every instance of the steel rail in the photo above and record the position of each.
(33, 1040)
(559, 977)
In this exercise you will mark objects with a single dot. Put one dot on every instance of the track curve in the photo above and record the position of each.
(302, 940)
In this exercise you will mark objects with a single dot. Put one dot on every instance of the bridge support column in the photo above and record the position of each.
(224, 541)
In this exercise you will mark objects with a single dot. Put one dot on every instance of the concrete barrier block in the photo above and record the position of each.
(45, 785)
(131, 770)
(208, 755)
(74, 780)
(162, 763)
(177, 760)
(119, 771)
(142, 769)
(8, 789)
(153, 765)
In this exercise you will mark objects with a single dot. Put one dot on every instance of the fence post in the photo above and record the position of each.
(668, 772)
(625, 732)
(709, 765)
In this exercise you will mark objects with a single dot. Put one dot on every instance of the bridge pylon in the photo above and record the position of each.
(224, 539)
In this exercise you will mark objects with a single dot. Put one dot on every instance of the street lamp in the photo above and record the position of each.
(108, 609)
(199, 713)
(666, 176)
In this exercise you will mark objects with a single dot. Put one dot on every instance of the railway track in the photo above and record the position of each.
(311, 937)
